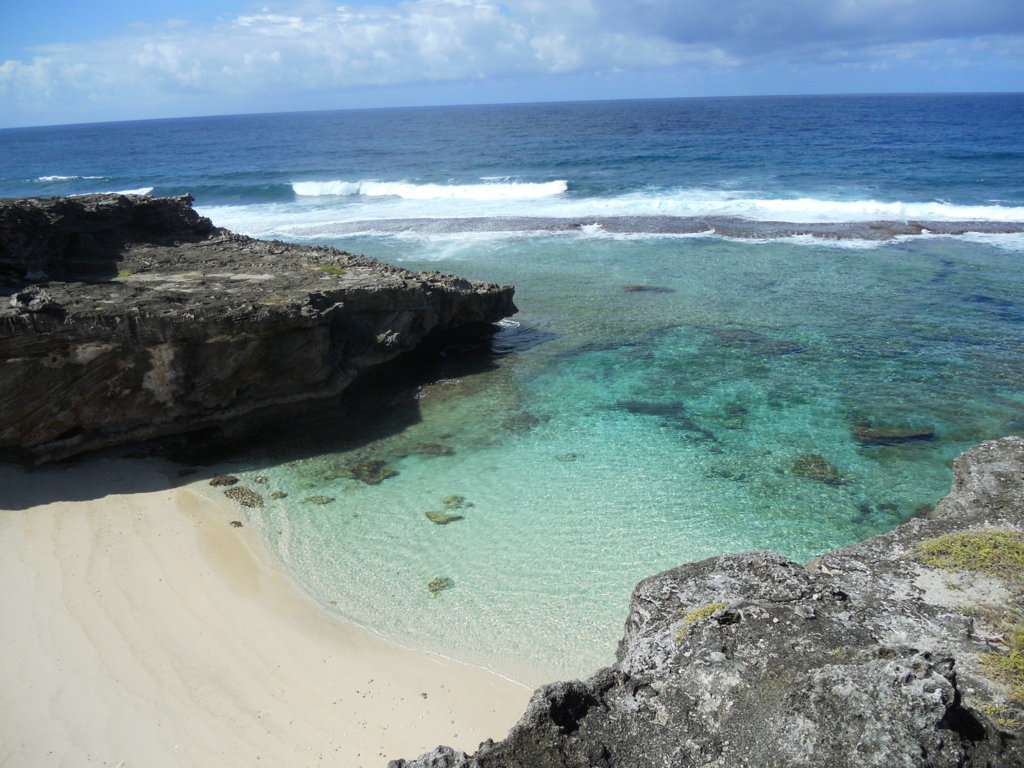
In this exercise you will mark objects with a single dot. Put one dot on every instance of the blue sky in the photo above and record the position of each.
(65, 61)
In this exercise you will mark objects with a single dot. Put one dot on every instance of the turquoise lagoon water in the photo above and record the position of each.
(630, 431)
(614, 433)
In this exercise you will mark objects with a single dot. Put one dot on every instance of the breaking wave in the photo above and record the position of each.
(509, 190)
(65, 178)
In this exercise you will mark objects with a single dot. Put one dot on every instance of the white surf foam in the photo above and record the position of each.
(815, 210)
(1010, 241)
(365, 200)
(430, 211)
(65, 178)
(492, 190)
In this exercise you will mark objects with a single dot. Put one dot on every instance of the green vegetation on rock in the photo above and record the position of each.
(990, 552)
(697, 614)
(997, 553)
(1007, 667)
(332, 270)
(1002, 716)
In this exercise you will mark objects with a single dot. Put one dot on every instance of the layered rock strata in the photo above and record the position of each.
(129, 317)
(872, 655)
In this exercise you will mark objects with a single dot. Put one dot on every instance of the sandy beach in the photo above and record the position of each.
(139, 628)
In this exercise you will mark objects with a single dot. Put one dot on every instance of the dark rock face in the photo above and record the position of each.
(866, 657)
(147, 320)
(78, 238)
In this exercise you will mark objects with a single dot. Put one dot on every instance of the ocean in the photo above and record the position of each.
(707, 299)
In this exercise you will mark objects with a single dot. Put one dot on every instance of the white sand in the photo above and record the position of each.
(139, 629)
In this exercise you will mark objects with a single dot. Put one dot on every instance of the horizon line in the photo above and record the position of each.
(847, 94)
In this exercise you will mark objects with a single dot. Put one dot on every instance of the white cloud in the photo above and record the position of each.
(311, 46)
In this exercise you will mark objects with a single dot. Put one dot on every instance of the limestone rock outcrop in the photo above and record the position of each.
(871, 656)
(128, 317)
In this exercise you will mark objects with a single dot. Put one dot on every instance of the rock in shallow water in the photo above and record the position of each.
(433, 449)
(441, 518)
(817, 468)
(890, 435)
(319, 500)
(439, 584)
(245, 496)
(372, 472)
(862, 659)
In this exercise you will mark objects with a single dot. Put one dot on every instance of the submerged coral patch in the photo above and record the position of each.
(441, 518)
(438, 584)
(817, 468)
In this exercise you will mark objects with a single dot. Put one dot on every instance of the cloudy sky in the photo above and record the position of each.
(67, 61)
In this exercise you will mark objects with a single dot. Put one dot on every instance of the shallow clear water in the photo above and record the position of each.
(648, 428)
(614, 433)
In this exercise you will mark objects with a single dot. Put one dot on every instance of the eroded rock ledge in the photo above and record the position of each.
(869, 656)
(129, 317)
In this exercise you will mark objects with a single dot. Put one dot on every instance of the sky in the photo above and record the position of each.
(67, 61)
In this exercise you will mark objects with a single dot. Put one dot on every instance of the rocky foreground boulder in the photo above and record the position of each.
(126, 317)
(905, 650)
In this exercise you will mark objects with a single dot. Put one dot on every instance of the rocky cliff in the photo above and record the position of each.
(129, 317)
(904, 650)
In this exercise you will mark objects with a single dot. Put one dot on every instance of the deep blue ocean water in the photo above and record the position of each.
(620, 432)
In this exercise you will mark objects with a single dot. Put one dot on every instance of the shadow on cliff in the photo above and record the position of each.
(382, 403)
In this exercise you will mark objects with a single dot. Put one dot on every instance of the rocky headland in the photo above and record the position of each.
(906, 650)
(128, 317)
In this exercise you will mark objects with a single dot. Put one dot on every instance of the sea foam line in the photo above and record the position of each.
(65, 178)
(815, 210)
(511, 190)
(392, 200)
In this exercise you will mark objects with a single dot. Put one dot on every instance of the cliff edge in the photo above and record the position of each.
(128, 317)
(906, 650)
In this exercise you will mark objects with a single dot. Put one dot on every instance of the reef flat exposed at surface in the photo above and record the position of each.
(902, 650)
(126, 317)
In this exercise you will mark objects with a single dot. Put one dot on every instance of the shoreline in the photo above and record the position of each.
(140, 628)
